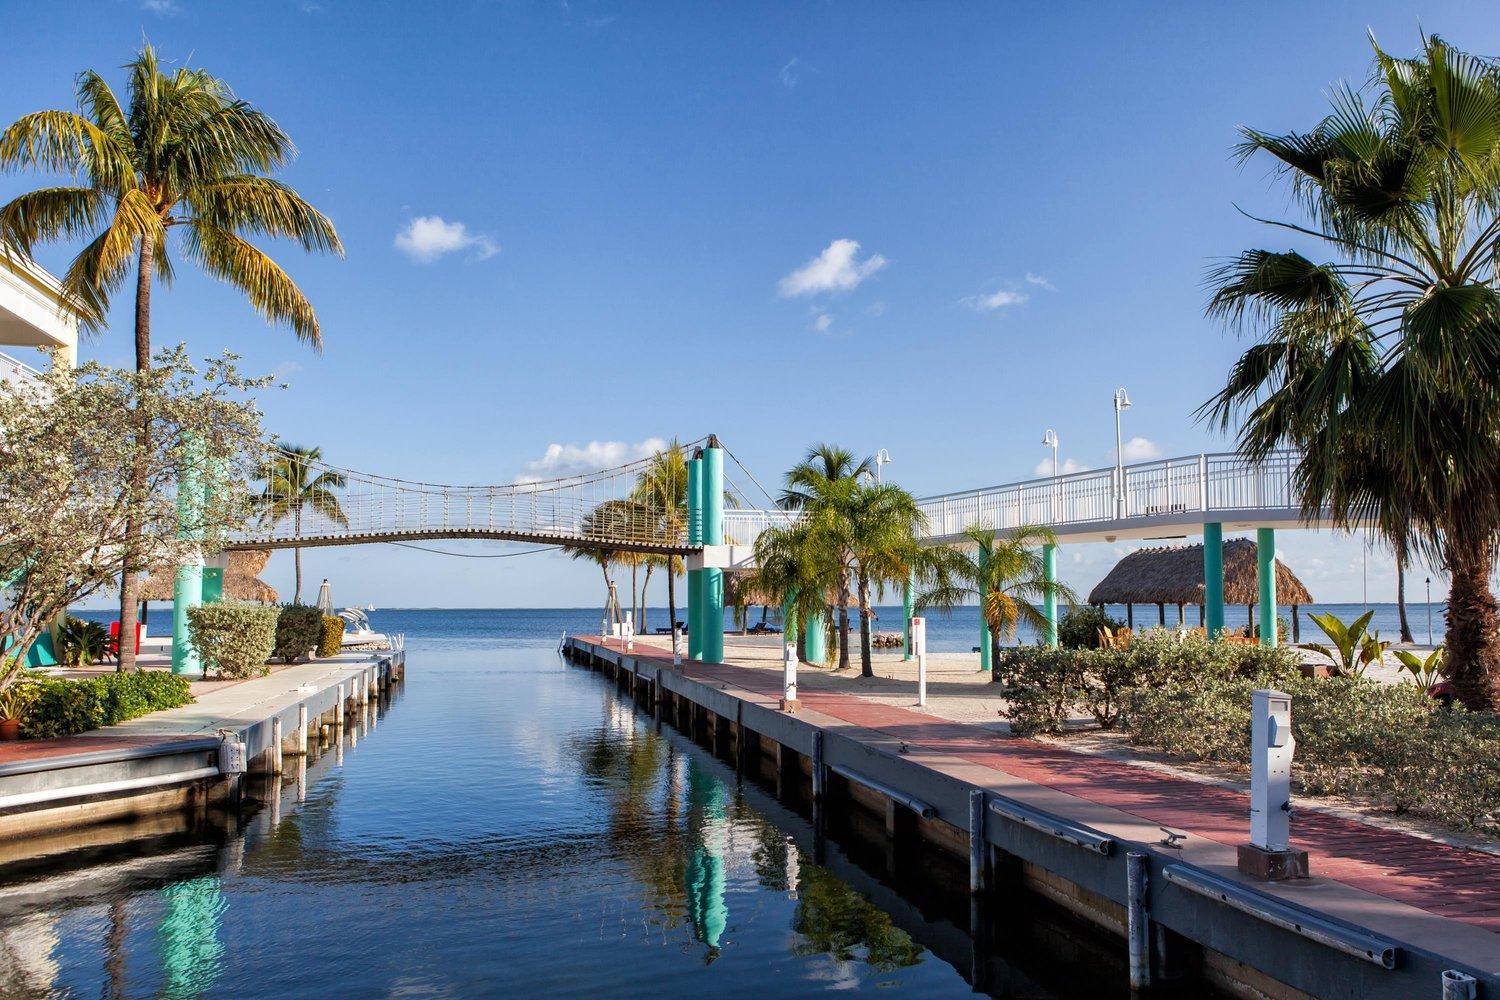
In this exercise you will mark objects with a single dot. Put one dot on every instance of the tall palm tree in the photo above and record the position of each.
(182, 153)
(1381, 363)
(662, 486)
(788, 565)
(1007, 573)
(824, 485)
(294, 485)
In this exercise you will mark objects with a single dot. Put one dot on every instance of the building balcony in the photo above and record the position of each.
(32, 313)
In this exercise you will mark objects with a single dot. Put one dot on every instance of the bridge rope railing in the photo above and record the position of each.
(299, 497)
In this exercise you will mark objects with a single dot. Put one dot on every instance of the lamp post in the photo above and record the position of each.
(1429, 611)
(1122, 402)
(1049, 440)
(882, 459)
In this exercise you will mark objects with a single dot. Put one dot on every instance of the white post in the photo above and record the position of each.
(676, 646)
(629, 630)
(919, 647)
(789, 677)
(1271, 747)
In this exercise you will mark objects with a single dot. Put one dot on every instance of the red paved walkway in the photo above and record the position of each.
(1452, 882)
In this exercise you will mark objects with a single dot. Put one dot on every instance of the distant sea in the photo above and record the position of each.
(947, 632)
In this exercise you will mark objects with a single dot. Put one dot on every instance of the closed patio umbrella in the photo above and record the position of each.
(325, 598)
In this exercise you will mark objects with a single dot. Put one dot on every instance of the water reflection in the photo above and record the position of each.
(189, 936)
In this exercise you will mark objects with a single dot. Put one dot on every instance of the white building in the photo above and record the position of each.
(32, 317)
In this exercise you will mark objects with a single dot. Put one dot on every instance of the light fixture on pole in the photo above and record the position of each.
(1429, 611)
(882, 459)
(1122, 402)
(1049, 440)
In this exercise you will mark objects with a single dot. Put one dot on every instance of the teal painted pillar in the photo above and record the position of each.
(817, 638)
(986, 663)
(213, 584)
(1049, 603)
(712, 504)
(1213, 578)
(695, 576)
(187, 586)
(1265, 577)
(907, 604)
(214, 493)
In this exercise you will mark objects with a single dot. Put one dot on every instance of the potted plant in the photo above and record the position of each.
(14, 701)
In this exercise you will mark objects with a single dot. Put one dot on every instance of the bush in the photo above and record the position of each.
(1046, 687)
(332, 641)
(298, 632)
(1079, 628)
(234, 639)
(1387, 744)
(63, 707)
(81, 642)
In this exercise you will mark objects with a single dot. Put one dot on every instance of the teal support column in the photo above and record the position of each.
(906, 612)
(1049, 603)
(214, 493)
(694, 576)
(817, 638)
(1265, 577)
(213, 584)
(187, 587)
(712, 504)
(1213, 578)
(986, 663)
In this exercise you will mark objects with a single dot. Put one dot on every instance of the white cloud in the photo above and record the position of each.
(1040, 281)
(876, 308)
(160, 6)
(1067, 465)
(822, 322)
(1139, 449)
(789, 74)
(995, 300)
(428, 237)
(837, 269)
(562, 460)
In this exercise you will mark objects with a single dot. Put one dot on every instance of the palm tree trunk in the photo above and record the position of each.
(844, 620)
(635, 606)
(672, 598)
(645, 585)
(1401, 596)
(1473, 627)
(866, 667)
(130, 577)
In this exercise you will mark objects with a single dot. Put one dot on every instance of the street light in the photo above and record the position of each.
(882, 458)
(1122, 402)
(1049, 440)
(1429, 611)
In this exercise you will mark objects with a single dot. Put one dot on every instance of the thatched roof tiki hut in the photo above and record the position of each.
(240, 580)
(1174, 575)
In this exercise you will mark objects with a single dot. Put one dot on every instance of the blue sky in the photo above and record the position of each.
(576, 222)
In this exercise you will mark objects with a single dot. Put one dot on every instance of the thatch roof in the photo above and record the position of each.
(240, 580)
(1174, 575)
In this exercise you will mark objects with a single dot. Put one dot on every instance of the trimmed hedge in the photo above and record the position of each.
(234, 639)
(332, 641)
(298, 632)
(1079, 628)
(63, 707)
(1046, 687)
(1387, 744)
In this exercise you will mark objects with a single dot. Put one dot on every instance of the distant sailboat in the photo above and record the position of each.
(369, 607)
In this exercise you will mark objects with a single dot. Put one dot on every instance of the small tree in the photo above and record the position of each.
(68, 445)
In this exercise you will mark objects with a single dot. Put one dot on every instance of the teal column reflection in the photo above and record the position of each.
(191, 952)
(704, 874)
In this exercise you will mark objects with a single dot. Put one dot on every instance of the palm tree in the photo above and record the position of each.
(788, 565)
(1380, 364)
(293, 485)
(185, 154)
(1008, 575)
(824, 485)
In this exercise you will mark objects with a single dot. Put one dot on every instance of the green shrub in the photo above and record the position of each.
(1386, 744)
(234, 639)
(332, 641)
(1046, 687)
(81, 642)
(298, 632)
(63, 707)
(1079, 628)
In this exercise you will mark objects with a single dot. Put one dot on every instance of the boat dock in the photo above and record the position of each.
(188, 757)
(1386, 913)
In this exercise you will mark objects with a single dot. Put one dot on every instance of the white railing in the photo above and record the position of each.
(12, 370)
(743, 527)
(1170, 486)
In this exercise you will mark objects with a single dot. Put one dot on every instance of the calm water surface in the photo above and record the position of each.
(509, 825)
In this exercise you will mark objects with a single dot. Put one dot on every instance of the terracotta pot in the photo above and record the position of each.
(10, 729)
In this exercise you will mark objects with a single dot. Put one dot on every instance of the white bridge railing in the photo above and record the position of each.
(13, 371)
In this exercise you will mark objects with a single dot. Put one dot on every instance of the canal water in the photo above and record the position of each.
(511, 825)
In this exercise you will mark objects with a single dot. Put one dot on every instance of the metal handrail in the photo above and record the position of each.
(14, 370)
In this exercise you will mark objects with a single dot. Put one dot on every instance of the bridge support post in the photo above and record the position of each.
(695, 537)
(187, 587)
(712, 504)
(906, 611)
(986, 663)
(817, 638)
(1265, 577)
(1049, 603)
(1213, 578)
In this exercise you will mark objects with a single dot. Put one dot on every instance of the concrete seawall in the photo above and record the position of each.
(1195, 918)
